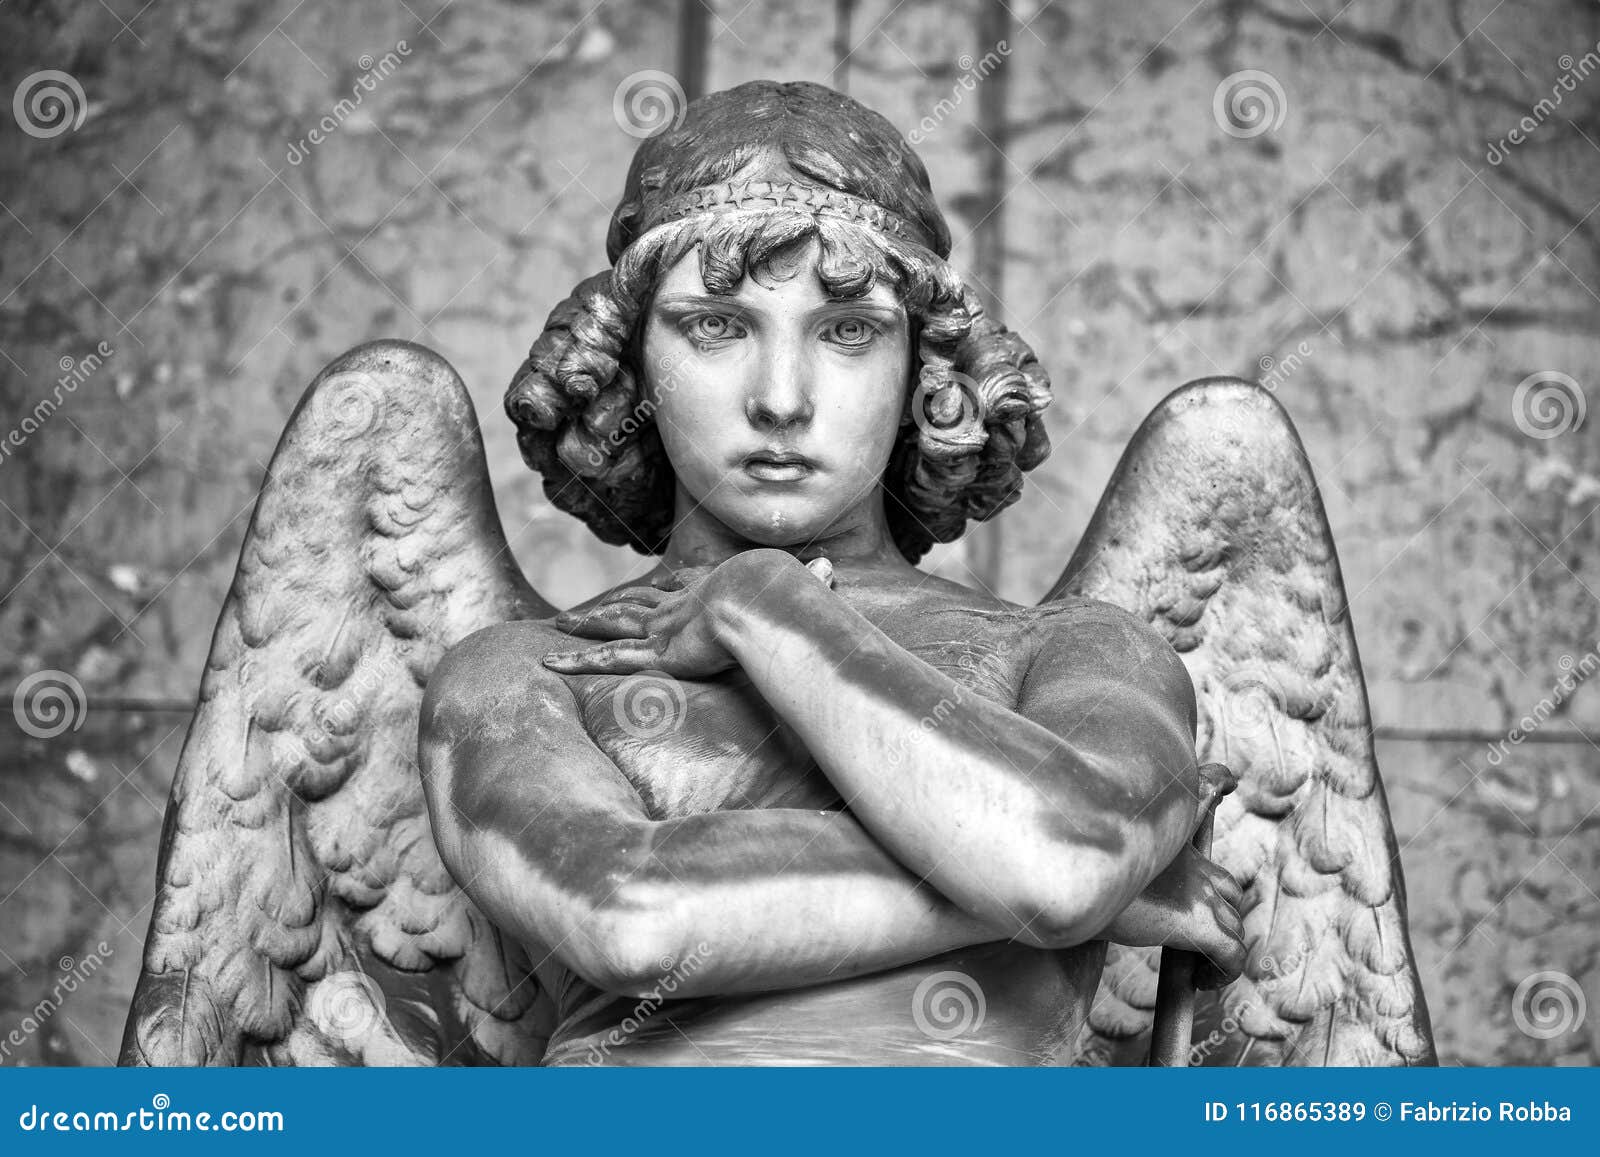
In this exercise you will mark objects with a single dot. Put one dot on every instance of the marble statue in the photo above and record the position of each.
(786, 798)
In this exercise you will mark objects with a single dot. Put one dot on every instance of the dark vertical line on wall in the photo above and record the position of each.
(986, 554)
(694, 46)
(844, 12)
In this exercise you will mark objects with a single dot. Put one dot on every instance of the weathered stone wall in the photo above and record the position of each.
(1401, 282)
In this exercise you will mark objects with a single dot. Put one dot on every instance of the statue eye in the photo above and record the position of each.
(851, 332)
(711, 328)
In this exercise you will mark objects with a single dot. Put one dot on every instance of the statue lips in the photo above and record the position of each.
(771, 465)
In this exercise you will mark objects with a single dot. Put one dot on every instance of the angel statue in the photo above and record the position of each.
(785, 799)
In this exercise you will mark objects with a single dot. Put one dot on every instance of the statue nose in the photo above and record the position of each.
(781, 398)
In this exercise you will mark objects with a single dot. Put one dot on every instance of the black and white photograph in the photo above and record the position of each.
(750, 533)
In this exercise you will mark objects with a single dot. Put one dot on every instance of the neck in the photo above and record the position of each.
(858, 541)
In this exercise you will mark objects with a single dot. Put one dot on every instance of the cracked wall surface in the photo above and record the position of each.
(1367, 258)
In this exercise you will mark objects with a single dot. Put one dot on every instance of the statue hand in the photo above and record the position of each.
(674, 624)
(1192, 905)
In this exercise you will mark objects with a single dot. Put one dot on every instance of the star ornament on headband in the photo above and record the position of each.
(766, 196)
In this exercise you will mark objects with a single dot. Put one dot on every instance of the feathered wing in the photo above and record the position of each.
(302, 914)
(1212, 528)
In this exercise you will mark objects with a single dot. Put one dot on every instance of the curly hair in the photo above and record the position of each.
(972, 423)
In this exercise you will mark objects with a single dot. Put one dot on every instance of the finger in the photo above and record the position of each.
(1225, 961)
(1225, 913)
(622, 657)
(823, 569)
(608, 627)
(1216, 781)
(1222, 882)
(612, 621)
(676, 580)
(1221, 775)
(638, 596)
(1228, 887)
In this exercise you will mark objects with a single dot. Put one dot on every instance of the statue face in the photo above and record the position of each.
(778, 405)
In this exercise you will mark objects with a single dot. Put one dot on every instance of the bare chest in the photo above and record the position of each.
(691, 745)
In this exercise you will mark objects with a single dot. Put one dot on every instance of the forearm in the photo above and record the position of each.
(1020, 828)
(758, 899)
(782, 898)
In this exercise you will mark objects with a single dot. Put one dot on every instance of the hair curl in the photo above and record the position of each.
(972, 423)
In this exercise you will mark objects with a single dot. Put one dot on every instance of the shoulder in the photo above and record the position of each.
(1099, 645)
(498, 671)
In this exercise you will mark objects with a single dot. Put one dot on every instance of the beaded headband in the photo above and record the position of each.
(733, 196)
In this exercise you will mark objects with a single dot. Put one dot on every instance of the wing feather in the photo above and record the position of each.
(302, 912)
(1212, 527)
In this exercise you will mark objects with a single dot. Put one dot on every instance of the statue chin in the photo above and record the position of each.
(769, 518)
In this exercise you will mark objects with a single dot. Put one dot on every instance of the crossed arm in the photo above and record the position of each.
(1039, 825)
